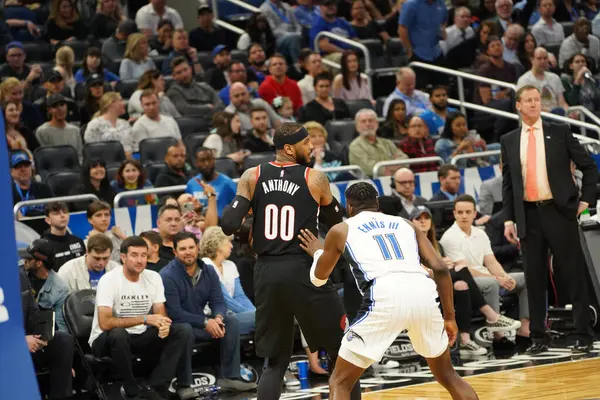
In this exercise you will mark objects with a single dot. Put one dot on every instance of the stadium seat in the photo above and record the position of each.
(153, 169)
(79, 48)
(38, 51)
(78, 312)
(395, 53)
(55, 159)
(114, 66)
(153, 150)
(227, 166)
(61, 183)
(191, 125)
(355, 106)
(126, 88)
(158, 61)
(376, 53)
(553, 48)
(258, 158)
(379, 105)
(111, 172)
(192, 142)
(205, 59)
(341, 131)
(239, 55)
(568, 28)
(111, 152)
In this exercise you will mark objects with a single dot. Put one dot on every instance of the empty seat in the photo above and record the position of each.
(240, 56)
(227, 166)
(193, 142)
(111, 172)
(190, 125)
(126, 88)
(341, 131)
(553, 48)
(79, 48)
(158, 61)
(568, 28)
(153, 169)
(111, 152)
(379, 105)
(38, 51)
(355, 106)
(258, 158)
(153, 150)
(205, 59)
(376, 52)
(55, 159)
(61, 183)
(114, 66)
(395, 53)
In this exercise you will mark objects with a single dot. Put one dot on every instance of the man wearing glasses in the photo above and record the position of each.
(403, 199)
(15, 66)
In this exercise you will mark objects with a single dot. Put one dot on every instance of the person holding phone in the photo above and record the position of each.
(197, 218)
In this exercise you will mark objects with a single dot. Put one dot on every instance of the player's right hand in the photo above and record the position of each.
(308, 242)
(451, 330)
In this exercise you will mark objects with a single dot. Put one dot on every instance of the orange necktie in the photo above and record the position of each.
(531, 188)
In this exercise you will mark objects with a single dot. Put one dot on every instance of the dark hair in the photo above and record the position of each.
(181, 236)
(567, 65)
(148, 93)
(264, 37)
(90, 103)
(522, 53)
(466, 198)
(99, 242)
(254, 44)
(164, 22)
(447, 133)
(203, 149)
(390, 114)
(56, 206)
(167, 207)
(344, 62)
(235, 62)
(305, 53)
(524, 89)
(445, 169)
(323, 76)
(85, 177)
(491, 38)
(152, 236)
(438, 87)
(163, 201)
(145, 81)
(362, 195)
(286, 129)
(278, 55)
(255, 109)
(177, 61)
(132, 241)
(221, 120)
(97, 206)
(94, 52)
(141, 178)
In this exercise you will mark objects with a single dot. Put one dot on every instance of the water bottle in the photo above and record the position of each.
(324, 360)
(495, 90)
(585, 215)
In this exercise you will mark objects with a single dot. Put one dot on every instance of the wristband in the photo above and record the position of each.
(313, 279)
(145, 320)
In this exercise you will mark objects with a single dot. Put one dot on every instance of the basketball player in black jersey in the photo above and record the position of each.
(285, 197)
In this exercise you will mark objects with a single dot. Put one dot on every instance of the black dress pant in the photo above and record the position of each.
(465, 301)
(549, 228)
(58, 358)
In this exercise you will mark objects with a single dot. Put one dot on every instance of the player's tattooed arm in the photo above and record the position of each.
(441, 274)
(233, 214)
(331, 211)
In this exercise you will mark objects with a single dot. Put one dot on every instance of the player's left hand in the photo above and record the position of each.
(308, 242)
(451, 330)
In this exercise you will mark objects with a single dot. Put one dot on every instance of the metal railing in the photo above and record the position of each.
(408, 161)
(479, 154)
(584, 112)
(242, 4)
(228, 26)
(140, 192)
(346, 168)
(66, 199)
(514, 116)
(350, 42)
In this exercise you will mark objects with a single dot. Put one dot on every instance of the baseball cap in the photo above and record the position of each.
(55, 99)
(418, 211)
(127, 27)
(19, 158)
(14, 45)
(39, 249)
(219, 48)
(54, 76)
(204, 8)
(94, 79)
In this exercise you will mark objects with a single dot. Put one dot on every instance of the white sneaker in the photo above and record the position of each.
(290, 380)
(503, 324)
(386, 364)
(471, 349)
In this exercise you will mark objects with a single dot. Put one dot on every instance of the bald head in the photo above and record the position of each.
(239, 96)
(175, 157)
(462, 17)
(512, 36)
(540, 60)
(406, 80)
(404, 182)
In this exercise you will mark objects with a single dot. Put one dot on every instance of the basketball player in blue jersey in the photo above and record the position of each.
(385, 254)
(286, 196)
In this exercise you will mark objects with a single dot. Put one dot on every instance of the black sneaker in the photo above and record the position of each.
(126, 396)
(155, 393)
(523, 343)
(503, 345)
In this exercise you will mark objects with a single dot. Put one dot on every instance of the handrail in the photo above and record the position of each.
(480, 154)
(228, 26)
(408, 161)
(584, 112)
(460, 74)
(75, 197)
(345, 168)
(243, 4)
(133, 193)
(506, 114)
(350, 42)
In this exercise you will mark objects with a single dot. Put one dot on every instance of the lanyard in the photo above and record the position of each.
(21, 196)
(281, 15)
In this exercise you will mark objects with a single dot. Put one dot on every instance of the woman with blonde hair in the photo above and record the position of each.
(151, 79)
(215, 249)
(11, 89)
(136, 60)
(108, 15)
(106, 124)
(64, 23)
(18, 137)
(65, 61)
(322, 155)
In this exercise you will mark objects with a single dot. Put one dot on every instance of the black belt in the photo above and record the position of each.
(539, 203)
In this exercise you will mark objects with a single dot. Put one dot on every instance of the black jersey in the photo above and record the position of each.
(282, 205)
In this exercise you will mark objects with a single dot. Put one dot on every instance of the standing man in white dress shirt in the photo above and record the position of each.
(459, 32)
(542, 199)
(547, 30)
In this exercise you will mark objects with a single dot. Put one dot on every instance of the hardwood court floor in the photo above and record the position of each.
(565, 381)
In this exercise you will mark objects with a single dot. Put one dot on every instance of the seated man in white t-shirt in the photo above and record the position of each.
(467, 244)
(131, 316)
(153, 124)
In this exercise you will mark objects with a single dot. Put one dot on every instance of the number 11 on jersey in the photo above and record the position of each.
(383, 246)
